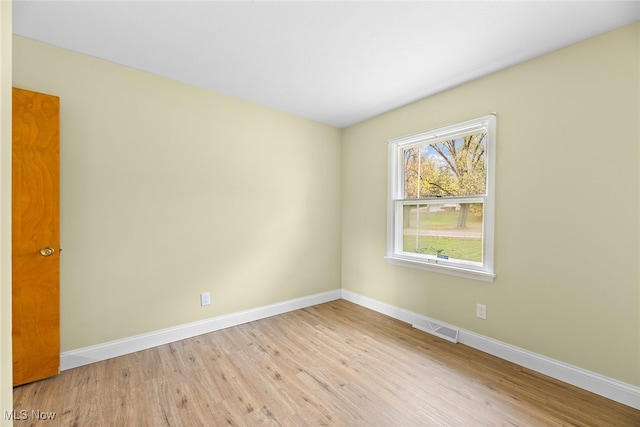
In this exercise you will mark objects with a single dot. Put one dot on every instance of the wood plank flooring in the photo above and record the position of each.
(335, 364)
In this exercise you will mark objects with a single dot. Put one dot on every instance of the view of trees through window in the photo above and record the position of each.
(444, 177)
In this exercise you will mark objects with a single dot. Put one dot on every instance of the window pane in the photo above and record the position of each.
(454, 167)
(443, 230)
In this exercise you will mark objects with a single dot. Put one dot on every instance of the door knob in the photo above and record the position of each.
(47, 251)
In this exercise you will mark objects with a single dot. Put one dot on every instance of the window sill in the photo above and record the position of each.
(444, 269)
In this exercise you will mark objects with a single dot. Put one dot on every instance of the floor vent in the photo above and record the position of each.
(435, 327)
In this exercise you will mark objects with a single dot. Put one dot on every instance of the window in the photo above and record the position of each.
(441, 199)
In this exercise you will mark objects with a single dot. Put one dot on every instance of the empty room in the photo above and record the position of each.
(348, 213)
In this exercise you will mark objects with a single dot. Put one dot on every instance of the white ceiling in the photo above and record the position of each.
(335, 62)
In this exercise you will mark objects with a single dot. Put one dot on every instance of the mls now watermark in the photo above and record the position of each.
(34, 414)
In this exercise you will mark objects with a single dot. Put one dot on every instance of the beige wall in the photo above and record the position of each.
(168, 191)
(567, 207)
(6, 367)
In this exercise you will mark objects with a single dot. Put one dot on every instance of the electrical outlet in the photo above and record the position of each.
(481, 311)
(205, 299)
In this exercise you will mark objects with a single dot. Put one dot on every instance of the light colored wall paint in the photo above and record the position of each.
(567, 207)
(168, 191)
(6, 364)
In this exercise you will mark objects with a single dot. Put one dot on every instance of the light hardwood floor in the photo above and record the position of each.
(335, 364)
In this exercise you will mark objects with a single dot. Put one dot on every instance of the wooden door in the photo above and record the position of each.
(36, 236)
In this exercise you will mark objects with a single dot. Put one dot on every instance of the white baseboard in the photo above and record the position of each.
(618, 391)
(604, 386)
(95, 353)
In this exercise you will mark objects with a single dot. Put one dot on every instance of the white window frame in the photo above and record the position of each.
(395, 254)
